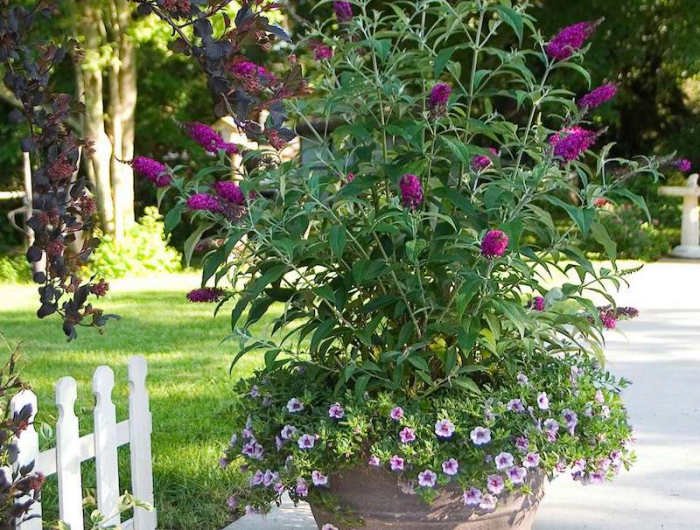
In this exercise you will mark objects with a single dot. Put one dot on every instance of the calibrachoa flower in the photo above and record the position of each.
(229, 191)
(522, 378)
(336, 411)
(515, 405)
(427, 479)
(319, 479)
(302, 488)
(444, 429)
(570, 420)
(396, 413)
(294, 405)
(480, 436)
(495, 484)
(516, 474)
(488, 502)
(152, 170)
(439, 96)
(203, 201)
(504, 460)
(411, 191)
(543, 401)
(522, 443)
(597, 477)
(472, 497)
(481, 162)
(270, 478)
(450, 467)
(551, 428)
(306, 441)
(683, 165)
(572, 142)
(232, 503)
(569, 40)
(374, 461)
(396, 463)
(343, 10)
(288, 431)
(597, 97)
(205, 295)
(531, 460)
(494, 244)
(407, 435)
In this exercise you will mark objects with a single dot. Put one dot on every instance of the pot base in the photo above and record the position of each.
(375, 496)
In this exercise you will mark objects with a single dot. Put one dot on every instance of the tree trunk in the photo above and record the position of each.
(94, 113)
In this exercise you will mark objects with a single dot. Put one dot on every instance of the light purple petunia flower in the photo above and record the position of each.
(396, 463)
(444, 429)
(249, 510)
(488, 502)
(480, 436)
(450, 467)
(597, 477)
(288, 431)
(278, 488)
(522, 444)
(543, 401)
(319, 479)
(336, 411)
(551, 426)
(494, 244)
(223, 463)
(411, 191)
(374, 461)
(516, 474)
(396, 413)
(294, 405)
(257, 478)
(254, 391)
(270, 478)
(531, 460)
(407, 435)
(570, 420)
(302, 488)
(427, 479)
(605, 411)
(232, 502)
(306, 441)
(495, 484)
(504, 460)
(599, 397)
(522, 378)
(515, 405)
(472, 497)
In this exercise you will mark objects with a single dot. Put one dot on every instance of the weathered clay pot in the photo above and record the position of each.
(375, 496)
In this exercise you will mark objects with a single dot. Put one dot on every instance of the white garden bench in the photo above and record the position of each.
(72, 449)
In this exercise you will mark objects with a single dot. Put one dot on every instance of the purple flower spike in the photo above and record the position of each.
(598, 96)
(571, 143)
(152, 170)
(494, 244)
(538, 303)
(481, 162)
(203, 201)
(343, 10)
(230, 191)
(208, 138)
(205, 295)
(684, 165)
(570, 40)
(439, 96)
(411, 191)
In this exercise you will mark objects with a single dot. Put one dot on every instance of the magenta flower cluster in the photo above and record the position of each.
(481, 162)
(597, 97)
(203, 201)
(205, 295)
(494, 244)
(152, 170)
(439, 96)
(682, 164)
(343, 10)
(570, 40)
(411, 191)
(230, 192)
(209, 139)
(571, 143)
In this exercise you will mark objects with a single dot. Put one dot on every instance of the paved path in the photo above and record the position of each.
(661, 355)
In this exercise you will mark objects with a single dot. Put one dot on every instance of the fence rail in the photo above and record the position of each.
(72, 449)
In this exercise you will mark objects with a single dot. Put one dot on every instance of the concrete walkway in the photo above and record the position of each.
(661, 356)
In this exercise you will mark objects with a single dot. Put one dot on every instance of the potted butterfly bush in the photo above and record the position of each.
(435, 351)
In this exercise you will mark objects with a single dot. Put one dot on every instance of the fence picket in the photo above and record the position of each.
(140, 426)
(70, 500)
(106, 462)
(28, 445)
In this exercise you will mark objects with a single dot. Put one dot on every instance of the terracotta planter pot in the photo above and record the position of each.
(376, 497)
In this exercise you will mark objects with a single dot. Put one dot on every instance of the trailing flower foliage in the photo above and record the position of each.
(416, 332)
(63, 206)
(21, 487)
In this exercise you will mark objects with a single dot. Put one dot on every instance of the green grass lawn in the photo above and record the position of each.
(188, 382)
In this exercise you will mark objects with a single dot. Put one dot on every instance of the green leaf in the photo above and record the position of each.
(192, 241)
(173, 217)
(513, 19)
(442, 59)
(418, 362)
(321, 333)
(600, 233)
(337, 236)
(577, 68)
(583, 217)
(360, 385)
(271, 275)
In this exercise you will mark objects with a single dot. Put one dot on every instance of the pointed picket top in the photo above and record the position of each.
(28, 445)
(70, 499)
(140, 426)
(106, 462)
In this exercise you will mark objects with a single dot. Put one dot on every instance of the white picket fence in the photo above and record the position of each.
(72, 449)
